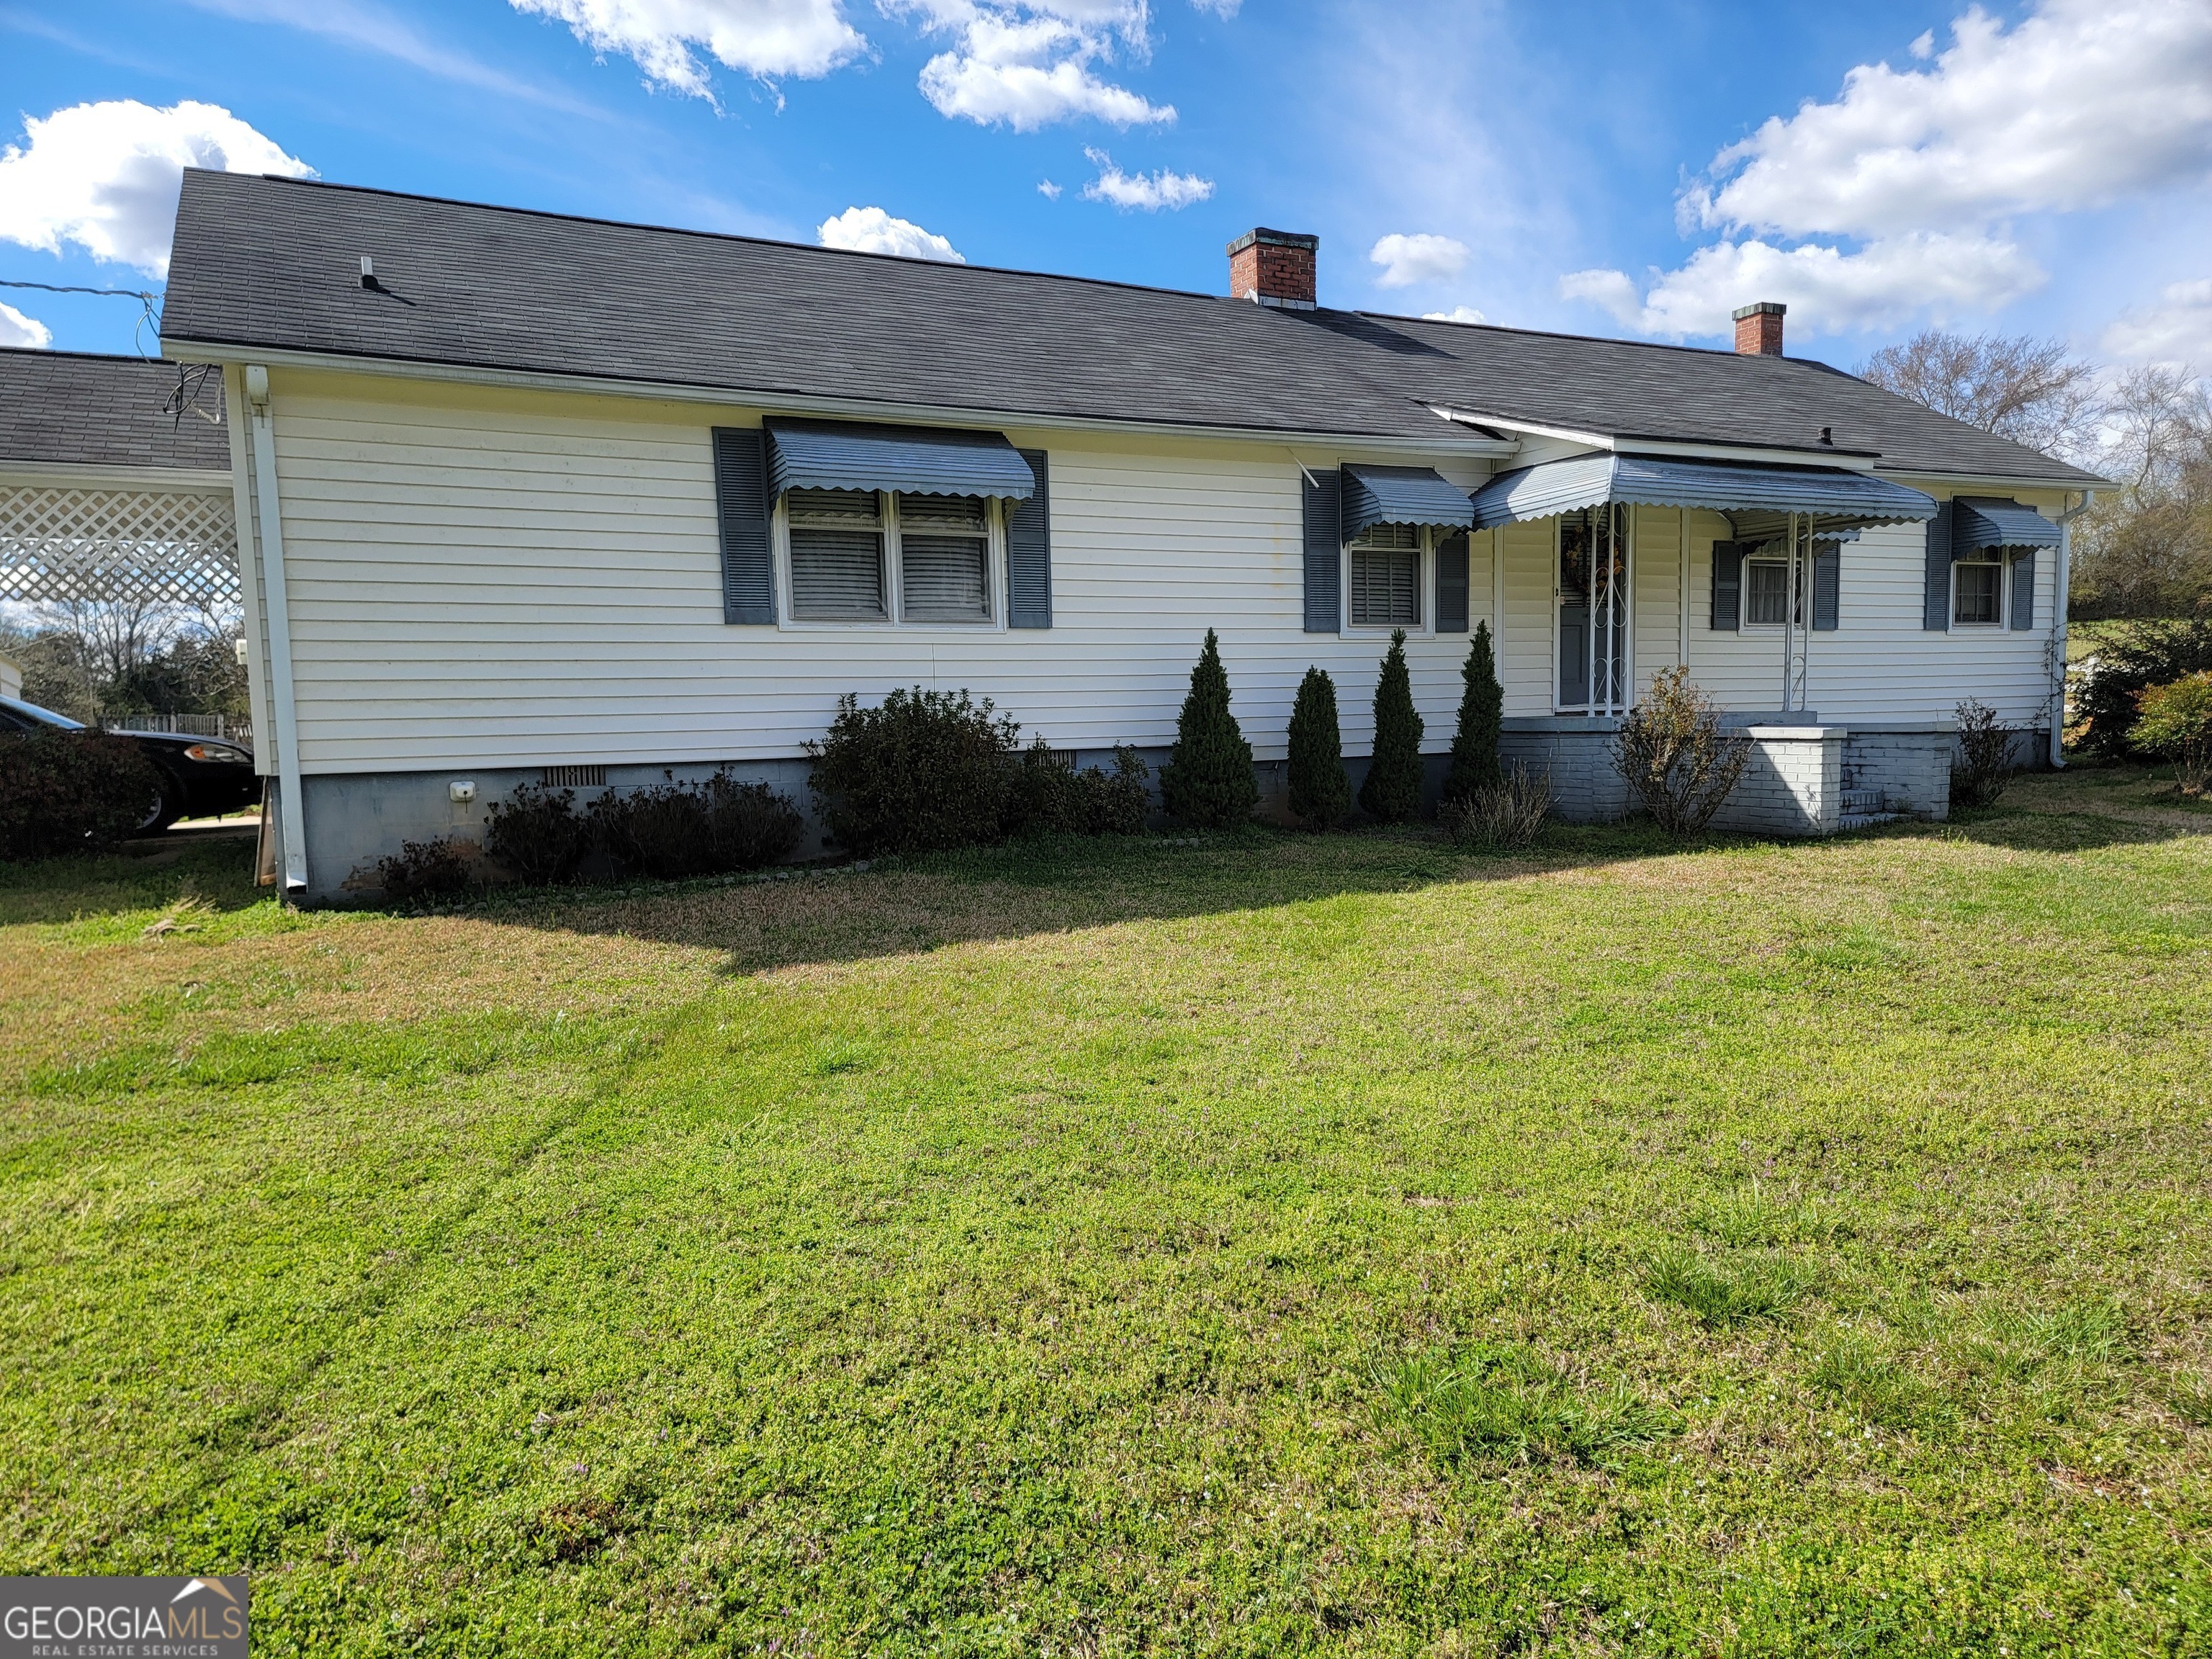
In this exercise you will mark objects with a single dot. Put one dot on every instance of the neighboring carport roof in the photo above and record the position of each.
(1750, 495)
(1402, 494)
(67, 409)
(273, 264)
(1979, 521)
(913, 460)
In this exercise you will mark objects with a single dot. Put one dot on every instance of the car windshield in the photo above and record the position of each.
(31, 714)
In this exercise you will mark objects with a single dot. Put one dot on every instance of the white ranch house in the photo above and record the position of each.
(523, 497)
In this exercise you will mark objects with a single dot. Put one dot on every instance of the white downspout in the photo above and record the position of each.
(2062, 581)
(292, 822)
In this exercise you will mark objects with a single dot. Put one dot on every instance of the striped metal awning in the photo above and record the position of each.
(1980, 521)
(914, 460)
(1402, 494)
(1757, 500)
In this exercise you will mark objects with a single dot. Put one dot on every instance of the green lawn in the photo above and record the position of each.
(1270, 1244)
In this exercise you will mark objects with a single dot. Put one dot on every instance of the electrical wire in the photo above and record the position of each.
(149, 304)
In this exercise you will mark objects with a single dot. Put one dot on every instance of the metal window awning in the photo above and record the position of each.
(1985, 521)
(1757, 500)
(915, 460)
(1402, 494)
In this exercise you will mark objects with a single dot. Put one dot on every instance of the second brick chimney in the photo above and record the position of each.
(1759, 329)
(1274, 268)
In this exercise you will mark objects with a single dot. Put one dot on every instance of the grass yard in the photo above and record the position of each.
(1269, 1244)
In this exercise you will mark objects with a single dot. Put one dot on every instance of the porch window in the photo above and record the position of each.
(1766, 594)
(1386, 577)
(944, 559)
(836, 555)
(1978, 594)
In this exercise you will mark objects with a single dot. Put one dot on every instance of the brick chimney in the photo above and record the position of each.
(1759, 329)
(1274, 268)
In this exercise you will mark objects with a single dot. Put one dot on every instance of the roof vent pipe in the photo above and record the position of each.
(1274, 268)
(367, 271)
(1759, 329)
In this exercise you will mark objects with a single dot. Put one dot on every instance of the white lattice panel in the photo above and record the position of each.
(161, 546)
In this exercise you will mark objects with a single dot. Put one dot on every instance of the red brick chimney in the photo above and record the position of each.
(1274, 268)
(1759, 329)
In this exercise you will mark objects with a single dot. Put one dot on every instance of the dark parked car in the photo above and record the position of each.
(200, 776)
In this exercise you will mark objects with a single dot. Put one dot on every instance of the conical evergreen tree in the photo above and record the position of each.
(1474, 764)
(1320, 793)
(1392, 791)
(1208, 780)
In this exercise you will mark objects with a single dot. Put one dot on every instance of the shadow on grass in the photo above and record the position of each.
(215, 867)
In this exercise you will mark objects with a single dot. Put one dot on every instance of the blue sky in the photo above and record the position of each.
(2038, 167)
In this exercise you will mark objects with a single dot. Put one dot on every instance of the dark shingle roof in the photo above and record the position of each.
(275, 264)
(73, 408)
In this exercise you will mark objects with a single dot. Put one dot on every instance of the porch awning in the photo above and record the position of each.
(1980, 521)
(1757, 500)
(916, 460)
(1402, 494)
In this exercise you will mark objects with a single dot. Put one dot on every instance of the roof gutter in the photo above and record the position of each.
(195, 352)
(2061, 601)
(291, 821)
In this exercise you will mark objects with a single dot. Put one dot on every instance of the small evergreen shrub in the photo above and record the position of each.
(2176, 719)
(921, 771)
(1117, 804)
(1320, 793)
(71, 791)
(1508, 813)
(1983, 766)
(1675, 758)
(535, 833)
(1047, 796)
(2140, 656)
(1208, 780)
(675, 829)
(424, 869)
(1392, 790)
(1474, 762)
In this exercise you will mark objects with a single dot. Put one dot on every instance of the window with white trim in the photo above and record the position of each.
(861, 556)
(1766, 596)
(1383, 585)
(1978, 594)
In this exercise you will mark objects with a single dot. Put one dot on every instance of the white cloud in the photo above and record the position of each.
(106, 176)
(1222, 9)
(1880, 287)
(17, 330)
(1406, 260)
(1028, 63)
(1149, 191)
(1048, 190)
(1456, 314)
(804, 38)
(2082, 103)
(871, 230)
(2177, 330)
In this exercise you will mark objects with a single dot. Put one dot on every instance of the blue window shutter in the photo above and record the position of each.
(1935, 609)
(1451, 584)
(2023, 591)
(741, 508)
(1728, 586)
(1827, 585)
(1028, 550)
(1324, 544)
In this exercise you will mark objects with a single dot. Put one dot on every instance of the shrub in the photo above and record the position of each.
(1984, 766)
(921, 771)
(1320, 793)
(1047, 796)
(1675, 758)
(2176, 719)
(423, 869)
(1474, 762)
(673, 830)
(71, 791)
(1119, 804)
(535, 832)
(2138, 657)
(1507, 813)
(1208, 780)
(1392, 788)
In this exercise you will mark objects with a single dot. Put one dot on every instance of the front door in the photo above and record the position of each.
(1593, 610)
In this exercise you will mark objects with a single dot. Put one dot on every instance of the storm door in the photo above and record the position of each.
(1594, 610)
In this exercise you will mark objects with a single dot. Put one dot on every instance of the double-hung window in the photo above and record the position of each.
(861, 556)
(1385, 584)
(1767, 601)
(1976, 594)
